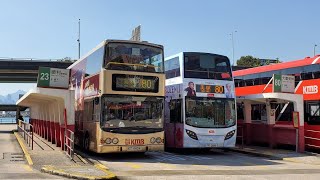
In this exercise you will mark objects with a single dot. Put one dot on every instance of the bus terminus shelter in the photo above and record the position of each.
(268, 131)
(51, 112)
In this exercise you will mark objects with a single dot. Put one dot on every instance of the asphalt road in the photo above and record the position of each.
(12, 161)
(195, 165)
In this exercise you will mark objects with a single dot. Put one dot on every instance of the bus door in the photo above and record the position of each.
(176, 125)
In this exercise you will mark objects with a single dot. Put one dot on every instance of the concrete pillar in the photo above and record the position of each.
(247, 112)
(247, 121)
(271, 119)
(17, 114)
(298, 107)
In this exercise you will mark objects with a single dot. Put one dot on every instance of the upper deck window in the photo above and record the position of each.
(207, 66)
(172, 68)
(134, 57)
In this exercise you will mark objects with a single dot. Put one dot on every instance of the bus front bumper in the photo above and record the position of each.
(123, 148)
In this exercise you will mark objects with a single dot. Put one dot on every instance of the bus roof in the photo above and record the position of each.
(285, 65)
(113, 41)
(178, 54)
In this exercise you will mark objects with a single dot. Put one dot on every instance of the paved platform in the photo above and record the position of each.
(280, 154)
(48, 158)
(13, 163)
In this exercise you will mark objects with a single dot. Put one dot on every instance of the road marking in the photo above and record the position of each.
(135, 166)
(166, 156)
(24, 149)
(27, 167)
(166, 165)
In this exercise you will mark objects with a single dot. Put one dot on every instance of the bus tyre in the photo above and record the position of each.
(86, 142)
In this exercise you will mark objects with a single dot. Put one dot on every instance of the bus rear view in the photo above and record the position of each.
(200, 101)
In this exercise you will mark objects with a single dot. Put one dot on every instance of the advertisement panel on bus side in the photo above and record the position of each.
(309, 89)
(91, 86)
(208, 88)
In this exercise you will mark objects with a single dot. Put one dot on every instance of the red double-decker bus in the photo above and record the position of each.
(307, 82)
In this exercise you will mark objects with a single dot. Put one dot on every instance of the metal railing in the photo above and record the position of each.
(312, 138)
(69, 143)
(8, 121)
(36, 59)
(26, 131)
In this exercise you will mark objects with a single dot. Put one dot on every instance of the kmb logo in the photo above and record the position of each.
(134, 141)
(310, 89)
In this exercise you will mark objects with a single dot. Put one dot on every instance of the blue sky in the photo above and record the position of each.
(282, 29)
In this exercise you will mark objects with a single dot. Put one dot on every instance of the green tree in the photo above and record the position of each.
(248, 61)
(278, 61)
(67, 59)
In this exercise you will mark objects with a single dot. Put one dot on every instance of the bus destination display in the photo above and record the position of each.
(210, 88)
(123, 82)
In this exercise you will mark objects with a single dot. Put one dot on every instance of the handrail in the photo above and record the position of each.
(69, 143)
(26, 130)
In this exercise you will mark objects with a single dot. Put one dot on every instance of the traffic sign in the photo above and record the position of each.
(53, 77)
(283, 83)
(295, 116)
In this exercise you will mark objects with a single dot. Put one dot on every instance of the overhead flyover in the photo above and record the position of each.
(26, 70)
(51, 112)
(11, 107)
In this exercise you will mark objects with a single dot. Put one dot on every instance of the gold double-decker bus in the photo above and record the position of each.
(119, 96)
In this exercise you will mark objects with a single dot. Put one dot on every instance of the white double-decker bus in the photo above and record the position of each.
(200, 101)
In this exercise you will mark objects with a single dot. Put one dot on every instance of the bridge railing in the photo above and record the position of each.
(8, 121)
(35, 59)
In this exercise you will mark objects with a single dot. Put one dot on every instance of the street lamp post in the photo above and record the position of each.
(314, 50)
(232, 46)
(79, 39)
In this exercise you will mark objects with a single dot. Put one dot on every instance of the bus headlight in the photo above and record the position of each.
(108, 141)
(158, 140)
(152, 140)
(115, 140)
(230, 134)
(192, 134)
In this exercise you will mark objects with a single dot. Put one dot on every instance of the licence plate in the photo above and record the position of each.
(134, 148)
(212, 145)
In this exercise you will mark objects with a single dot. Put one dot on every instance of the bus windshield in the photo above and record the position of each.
(207, 66)
(127, 114)
(134, 57)
(208, 112)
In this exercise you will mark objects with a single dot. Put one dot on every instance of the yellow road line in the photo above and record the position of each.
(135, 166)
(82, 159)
(24, 149)
(26, 167)
(105, 169)
(166, 165)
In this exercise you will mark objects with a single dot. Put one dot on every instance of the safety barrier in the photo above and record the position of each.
(69, 143)
(8, 121)
(26, 131)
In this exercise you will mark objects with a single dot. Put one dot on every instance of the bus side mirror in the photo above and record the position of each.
(96, 100)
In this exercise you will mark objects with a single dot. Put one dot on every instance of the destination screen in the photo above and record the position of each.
(123, 82)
